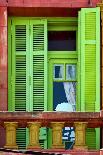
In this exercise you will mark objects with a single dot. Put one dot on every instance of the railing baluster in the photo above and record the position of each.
(80, 132)
(57, 135)
(11, 135)
(34, 128)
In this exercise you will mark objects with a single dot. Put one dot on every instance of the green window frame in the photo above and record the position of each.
(87, 21)
(61, 57)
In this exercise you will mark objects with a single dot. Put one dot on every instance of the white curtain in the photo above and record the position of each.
(70, 93)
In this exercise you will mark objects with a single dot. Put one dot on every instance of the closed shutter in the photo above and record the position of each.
(20, 76)
(38, 69)
(91, 142)
(89, 33)
(28, 56)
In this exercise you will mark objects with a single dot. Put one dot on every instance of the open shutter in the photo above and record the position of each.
(89, 33)
(20, 73)
(38, 70)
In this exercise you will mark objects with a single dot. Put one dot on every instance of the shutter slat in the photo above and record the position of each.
(38, 37)
(38, 83)
(20, 37)
(21, 138)
(20, 83)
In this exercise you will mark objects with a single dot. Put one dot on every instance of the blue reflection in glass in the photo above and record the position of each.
(58, 71)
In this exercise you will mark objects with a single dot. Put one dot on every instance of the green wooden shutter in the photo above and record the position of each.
(38, 63)
(20, 73)
(89, 33)
(28, 71)
(20, 65)
(38, 70)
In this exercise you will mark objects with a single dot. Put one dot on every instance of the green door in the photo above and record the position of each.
(63, 91)
(18, 74)
(27, 69)
(38, 71)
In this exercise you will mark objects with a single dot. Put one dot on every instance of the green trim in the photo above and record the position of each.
(31, 64)
(62, 28)
(97, 104)
(28, 93)
(97, 138)
(9, 66)
(82, 22)
(13, 66)
(62, 55)
(45, 65)
(50, 90)
(78, 107)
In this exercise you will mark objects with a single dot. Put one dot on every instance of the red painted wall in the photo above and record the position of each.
(3, 67)
(3, 58)
(48, 3)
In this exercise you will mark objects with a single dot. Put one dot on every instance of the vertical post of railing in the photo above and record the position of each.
(34, 128)
(80, 134)
(57, 135)
(11, 135)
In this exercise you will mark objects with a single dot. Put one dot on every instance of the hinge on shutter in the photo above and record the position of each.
(11, 27)
(29, 80)
(29, 28)
(11, 81)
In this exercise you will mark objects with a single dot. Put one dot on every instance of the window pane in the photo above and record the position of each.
(70, 72)
(64, 99)
(61, 40)
(64, 96)
(58, 72)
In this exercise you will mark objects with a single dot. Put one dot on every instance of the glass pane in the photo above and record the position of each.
(61, 40)
(64, 96)
(58, 72)
(64, 99)
(70, 72)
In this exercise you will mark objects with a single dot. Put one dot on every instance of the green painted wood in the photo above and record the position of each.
(53, 61)
(78, 107)
(19, 73)
(91, 138)
(38, 70)
(29, 67)
(9, 66)
(90, 67)
(20, 64)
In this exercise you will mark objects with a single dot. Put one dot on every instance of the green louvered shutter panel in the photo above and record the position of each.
(20, 73)
(89, 33)
(38, 70)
